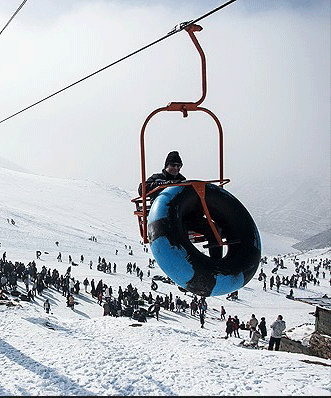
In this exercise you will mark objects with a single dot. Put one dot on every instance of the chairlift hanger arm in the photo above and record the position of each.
(192, 106)
(183, 107)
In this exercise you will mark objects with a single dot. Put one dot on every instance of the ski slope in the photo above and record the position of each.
(82, 352)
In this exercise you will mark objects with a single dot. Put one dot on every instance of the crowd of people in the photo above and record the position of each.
(309, 271)
(125, 303)
(257, 329)
(130, 302)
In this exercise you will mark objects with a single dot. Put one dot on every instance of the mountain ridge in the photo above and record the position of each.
(296, 207)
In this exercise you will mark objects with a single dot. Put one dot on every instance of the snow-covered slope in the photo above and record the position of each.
(323, 239)
(46, 210)
(81, 352)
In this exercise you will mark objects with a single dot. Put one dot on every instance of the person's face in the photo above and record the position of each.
(173, 168)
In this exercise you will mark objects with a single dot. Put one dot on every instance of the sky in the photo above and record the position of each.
(82, 352)
(268, 81)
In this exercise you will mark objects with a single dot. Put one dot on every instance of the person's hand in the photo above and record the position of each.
(169, 182)
(172, 181)
(166, 182)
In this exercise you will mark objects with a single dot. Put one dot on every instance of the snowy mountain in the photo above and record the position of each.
(45, 210)
(81, 352)
(318, 241)
(288, 205)
(8, 164)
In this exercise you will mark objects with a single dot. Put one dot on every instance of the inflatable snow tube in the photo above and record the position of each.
(176, 212)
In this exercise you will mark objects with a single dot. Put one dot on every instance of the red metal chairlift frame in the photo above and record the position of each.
(142, 208)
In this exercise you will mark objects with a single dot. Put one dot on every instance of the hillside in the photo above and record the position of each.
(46, 210)
(39, 201)
(318, 241)
(81, 352)
(288, 205)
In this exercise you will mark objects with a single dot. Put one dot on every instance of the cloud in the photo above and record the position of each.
(268, 82)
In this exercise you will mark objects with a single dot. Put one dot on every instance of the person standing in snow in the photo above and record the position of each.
(71, 301)
(277, 328)
(236, 324)
(106, 308)
(100, 297)
(223, 312)
(86, 283)
(92, 287)
(99, 288)
(47, 306)
(253, 322)
(157, 308)
(229, 327)
(193, 307)
(263, 328)
(76, 287)
(202, 319)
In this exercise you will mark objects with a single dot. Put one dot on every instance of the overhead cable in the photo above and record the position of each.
(174, 31)
(13, 16)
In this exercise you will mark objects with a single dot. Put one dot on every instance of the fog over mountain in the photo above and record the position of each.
(288, 205)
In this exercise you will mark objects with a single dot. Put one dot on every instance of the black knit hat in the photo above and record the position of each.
(173, 157)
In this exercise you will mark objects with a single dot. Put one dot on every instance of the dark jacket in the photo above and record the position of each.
(159, 179)
(263, 328)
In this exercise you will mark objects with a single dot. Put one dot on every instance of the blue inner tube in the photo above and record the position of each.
(178, 210)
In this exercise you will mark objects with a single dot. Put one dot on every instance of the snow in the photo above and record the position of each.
(82, 352)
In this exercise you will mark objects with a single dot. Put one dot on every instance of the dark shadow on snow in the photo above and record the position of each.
(50, 376)
(47, 323)
(81, 313)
